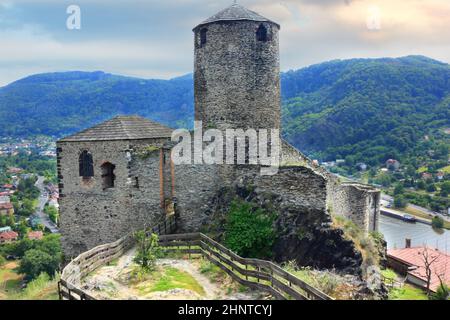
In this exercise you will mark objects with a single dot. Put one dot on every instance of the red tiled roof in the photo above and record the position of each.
(35, 235)
(6, 205)
(9, 235)
(414, 257)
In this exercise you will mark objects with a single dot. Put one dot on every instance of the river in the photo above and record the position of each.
(396, 231)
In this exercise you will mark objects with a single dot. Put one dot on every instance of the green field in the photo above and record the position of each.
(407, 292)
(43, 288)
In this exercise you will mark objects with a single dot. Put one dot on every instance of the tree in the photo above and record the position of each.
(400, 202)
(428, 259)
(399, 189)
(37, 261)
(431, 187)
(445, 188)
(147, 250)
(437, 222)
(421, 185)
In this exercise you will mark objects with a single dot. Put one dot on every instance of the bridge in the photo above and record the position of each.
(254, 273)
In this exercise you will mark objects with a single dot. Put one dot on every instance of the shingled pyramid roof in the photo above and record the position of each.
(236, 12)
(122, 128)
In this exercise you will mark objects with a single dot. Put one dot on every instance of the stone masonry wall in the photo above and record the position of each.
(90, 215)
(357, 202)
(236, 77)
(298, 197)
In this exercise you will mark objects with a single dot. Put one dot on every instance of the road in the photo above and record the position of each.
(385, 199)
(43, 199)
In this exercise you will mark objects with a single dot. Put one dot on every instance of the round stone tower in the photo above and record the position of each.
(237, 71)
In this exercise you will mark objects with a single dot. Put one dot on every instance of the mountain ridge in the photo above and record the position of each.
(332, 109)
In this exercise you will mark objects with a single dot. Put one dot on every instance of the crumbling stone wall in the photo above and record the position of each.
(304, 231)
(357, 202)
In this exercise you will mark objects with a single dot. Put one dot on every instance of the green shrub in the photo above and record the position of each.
(148, 250)
(442, 293)
(249, 230)
(2, 260)
(437, 222)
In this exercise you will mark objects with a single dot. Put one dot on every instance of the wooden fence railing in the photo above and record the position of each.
(258, 274)
(254, 273)
(69, 285)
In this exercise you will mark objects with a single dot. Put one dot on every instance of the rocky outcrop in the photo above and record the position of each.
(303, 225)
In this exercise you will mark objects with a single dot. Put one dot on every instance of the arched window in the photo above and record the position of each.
(86, 165)
(262, 34)
(203, 37)
(108, 175)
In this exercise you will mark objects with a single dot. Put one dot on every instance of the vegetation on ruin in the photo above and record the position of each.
(327, 281)
(146, 152)
(369, 245)
(249, 230)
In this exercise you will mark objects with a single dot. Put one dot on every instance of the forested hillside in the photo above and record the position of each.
(360, 109)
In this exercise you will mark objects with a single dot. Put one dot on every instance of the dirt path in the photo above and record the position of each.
(113, 282)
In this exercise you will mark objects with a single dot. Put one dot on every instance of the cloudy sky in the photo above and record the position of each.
(153, 39)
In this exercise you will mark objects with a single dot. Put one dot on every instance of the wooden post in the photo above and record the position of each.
(161, 179)
(59, 290)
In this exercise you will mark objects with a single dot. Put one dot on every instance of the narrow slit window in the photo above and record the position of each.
(203, 37)
(86, 165)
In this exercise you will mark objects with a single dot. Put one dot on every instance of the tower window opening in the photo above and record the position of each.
(108, 175)
(262, 34)
(86, 165)
(136, 182)
(203, 37)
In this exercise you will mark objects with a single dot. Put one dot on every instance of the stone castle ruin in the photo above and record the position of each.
(119, 176)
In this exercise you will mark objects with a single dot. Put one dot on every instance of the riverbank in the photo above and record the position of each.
(395, 232)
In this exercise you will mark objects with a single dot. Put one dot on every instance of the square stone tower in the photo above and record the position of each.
(104, 194)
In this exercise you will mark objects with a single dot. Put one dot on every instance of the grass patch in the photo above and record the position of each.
(10, 280)
(407, 292)
(389, 274)
(169, 278)
(325, 281)
(213, 272)
(446, 170)
(422, 169)
(113, 263)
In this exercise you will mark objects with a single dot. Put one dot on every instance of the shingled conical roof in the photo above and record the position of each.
(236, 12)
(122, 128)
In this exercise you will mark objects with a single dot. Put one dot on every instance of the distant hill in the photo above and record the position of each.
(369, 109)
(62, 103)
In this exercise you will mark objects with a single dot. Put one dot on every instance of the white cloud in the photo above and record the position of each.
(151, 38)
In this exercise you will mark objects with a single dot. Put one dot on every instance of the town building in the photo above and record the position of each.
(6, 209)
(8, 237)
(392, 164)
(35, 235)
(410, 262)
